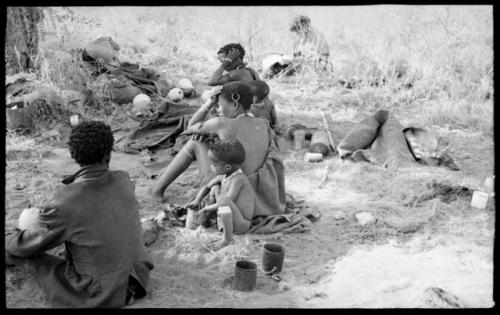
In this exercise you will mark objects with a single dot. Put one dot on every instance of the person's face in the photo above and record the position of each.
(219, 167)
(227, 108)
(229, 66)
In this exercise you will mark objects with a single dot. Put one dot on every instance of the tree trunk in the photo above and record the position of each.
(21, 38)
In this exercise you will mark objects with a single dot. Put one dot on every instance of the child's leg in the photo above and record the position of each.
(192, 150)
(232, 221)
(226, 220)
(240, 224)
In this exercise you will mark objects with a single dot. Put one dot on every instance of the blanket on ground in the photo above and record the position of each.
(298, 218)
(161, 130)
(383, 140)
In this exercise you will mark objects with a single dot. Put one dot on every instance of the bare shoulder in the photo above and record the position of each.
(241, 180)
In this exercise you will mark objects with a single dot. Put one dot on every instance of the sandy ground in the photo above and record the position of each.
(435, 254)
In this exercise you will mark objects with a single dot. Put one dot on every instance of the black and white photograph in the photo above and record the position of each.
(249, 156)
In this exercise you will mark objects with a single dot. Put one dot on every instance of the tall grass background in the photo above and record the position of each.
(445, 52)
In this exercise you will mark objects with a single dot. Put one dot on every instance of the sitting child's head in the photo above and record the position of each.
(226, 155)
(260, 90)
(226, 48)
(235, 93)
(91, 143)
(224, 51)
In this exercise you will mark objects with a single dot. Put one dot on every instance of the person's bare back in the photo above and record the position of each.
(254, 135)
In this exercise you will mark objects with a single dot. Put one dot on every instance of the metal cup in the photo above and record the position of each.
(273, 256)
(245, 275)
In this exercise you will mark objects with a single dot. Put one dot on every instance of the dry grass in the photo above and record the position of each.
(444, 52)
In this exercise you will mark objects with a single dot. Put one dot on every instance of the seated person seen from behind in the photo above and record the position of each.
(96, 216)
(232, 191)
(232, 67)
(262, 106)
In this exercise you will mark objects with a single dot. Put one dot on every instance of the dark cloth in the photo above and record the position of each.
(96, 217)
(160, 131)
(268, 182)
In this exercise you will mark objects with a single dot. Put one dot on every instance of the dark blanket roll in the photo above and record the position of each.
(362, 135)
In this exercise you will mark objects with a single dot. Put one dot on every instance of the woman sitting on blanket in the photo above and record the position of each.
(262, 164)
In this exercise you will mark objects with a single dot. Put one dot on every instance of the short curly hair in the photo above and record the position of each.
(242, 91)
(259, 89)
(225, 49)
(90, 142)
(229, 151)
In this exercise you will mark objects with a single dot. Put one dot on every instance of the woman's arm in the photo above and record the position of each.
(202, 113)
(217, 78)
(212, 126)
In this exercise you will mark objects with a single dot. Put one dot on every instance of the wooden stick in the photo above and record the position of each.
(327, 129)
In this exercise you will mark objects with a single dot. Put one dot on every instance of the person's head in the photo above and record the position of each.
(91, 142)
(260, 90)
(224, 51)
(226, 155)
(235, 98)
(300, 24)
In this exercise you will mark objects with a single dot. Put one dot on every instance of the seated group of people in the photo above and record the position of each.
(96, 214)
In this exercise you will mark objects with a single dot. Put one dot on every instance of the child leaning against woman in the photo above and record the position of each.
(233, 192)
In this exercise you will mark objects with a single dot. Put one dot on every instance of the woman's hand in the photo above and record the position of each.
(212, 98)
(233, 54)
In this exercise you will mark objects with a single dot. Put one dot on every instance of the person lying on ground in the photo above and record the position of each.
(231, 58)
(262, 164)
(231, 190)
(262, 106)
(96, 216)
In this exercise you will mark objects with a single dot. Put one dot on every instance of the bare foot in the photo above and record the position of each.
(221, 244)
(155, 195)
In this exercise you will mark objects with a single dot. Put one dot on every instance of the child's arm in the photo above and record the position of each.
(234, 191)
(204, 191)
(217, 78)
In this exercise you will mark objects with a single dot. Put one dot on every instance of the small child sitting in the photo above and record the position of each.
(262, 106)
(234, 195)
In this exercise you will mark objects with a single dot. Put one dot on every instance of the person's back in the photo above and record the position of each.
(96, 216)
(266, 110)
(102, 208)
(253, 133)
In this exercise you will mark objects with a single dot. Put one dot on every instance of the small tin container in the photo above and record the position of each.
(245, 275)
(299, 138)
(313, 157)
(192, 219)
(479, 199)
